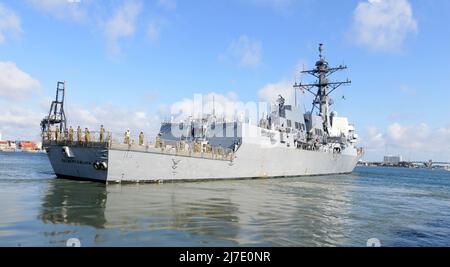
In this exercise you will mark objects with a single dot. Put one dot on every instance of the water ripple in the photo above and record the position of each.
(401, 207)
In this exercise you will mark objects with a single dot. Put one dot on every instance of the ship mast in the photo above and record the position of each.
(322, 88)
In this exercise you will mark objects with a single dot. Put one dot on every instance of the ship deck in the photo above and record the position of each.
(167, 149)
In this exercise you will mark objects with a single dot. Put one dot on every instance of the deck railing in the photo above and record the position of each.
(175, 148)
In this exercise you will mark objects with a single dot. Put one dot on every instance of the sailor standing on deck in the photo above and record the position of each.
(79, 134)
(70, 134)
(49, 134)
(127, 137)
(87, 135)
(141, 139)
(102, 134)
(158, 141)
(57, 132)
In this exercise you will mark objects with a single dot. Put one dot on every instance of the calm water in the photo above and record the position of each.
(401, 207)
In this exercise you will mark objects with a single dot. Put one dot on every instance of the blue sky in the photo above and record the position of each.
(126, 60)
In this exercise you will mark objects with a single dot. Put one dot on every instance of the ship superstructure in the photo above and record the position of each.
(285, 142)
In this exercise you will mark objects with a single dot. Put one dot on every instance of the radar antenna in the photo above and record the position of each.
(56, 115)
(322, 101)
(320, 51)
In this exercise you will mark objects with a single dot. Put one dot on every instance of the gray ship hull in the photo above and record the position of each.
(81, 166)
(151, 165)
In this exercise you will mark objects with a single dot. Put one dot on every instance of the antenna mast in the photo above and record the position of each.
(214, 107)
(324, 88)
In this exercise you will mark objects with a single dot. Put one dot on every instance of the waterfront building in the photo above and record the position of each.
(392, 160)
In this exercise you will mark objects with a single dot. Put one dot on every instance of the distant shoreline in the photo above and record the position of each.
(24, 151)
(404, 167)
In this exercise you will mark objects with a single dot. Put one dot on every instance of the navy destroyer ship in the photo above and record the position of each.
(285, 143)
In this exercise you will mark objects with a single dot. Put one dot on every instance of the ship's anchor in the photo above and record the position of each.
(175, 163)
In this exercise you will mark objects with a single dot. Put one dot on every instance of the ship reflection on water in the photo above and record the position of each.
(400, 207)
(228, 213)
(68, 202)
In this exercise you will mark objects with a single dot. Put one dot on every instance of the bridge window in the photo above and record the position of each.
(289, 123)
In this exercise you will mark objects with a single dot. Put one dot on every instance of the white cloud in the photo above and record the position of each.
(115, 119)
(227, 106)
(168, 4)
(18, 116)
(9, 24)
(383, 24)
(271, 91)
(396, 132)
(15, 84)
(22, 123)
(62, 9)
(246, 51)
(121, 25)
(412, 137)
(153, 31)
(19, 123)
(375, 139)
(419, 141)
